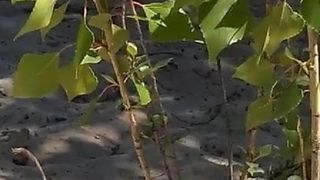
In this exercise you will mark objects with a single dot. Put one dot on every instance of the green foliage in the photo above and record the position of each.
(36, 75)
(279, 76)
(77, 80)
(310, 12)
(39, 18)
(85, 38)
(57, 17)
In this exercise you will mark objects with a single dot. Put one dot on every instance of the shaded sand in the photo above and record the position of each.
(103, 150)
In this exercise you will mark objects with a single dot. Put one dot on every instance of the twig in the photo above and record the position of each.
(167, 152)
(301, 144)
(225, 101)
(314, 102)
(26, 153)
(135, 131)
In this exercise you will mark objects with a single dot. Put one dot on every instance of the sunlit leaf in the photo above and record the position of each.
(77, 80)
(84, 40)
(56, 18)
(36, 75)
(132, 49)
(221, 25)
(143, 92)
(88, 59)
(39, 18)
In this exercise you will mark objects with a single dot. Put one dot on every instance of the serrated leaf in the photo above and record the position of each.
(88, 59)
(310, 12)
(39, 18)
(56, 18)
(85, 38)
(86, 117)
(36, 75)
(143, 92)
(289, 99)
(109, 79)
(259, 112)
(258, 74)
(77, 80)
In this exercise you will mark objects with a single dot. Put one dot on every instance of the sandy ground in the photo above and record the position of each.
(102, 150)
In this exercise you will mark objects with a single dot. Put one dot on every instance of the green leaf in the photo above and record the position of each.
(282, 22)
(172, 20)
(39, 18)
(86, 117)
(310, 12)
(88, 59)
(132, 49)
(258, 74)
(120, 37)
(259, 112)
(264, 151)
(100, 21)
(85, 38)
(289, 99)
(124, 64)
(220, 38)
(143, 92)
(212, 12)
(36, 75)
(56, 18)
(77, 80)
(221, 25)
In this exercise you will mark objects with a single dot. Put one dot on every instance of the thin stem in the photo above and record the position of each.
(26, 153)
(135, 131)
(167, 150)
(225, 102)
(301, 144)
(315, 103)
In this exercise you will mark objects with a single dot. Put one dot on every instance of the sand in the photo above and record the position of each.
(102, 150)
